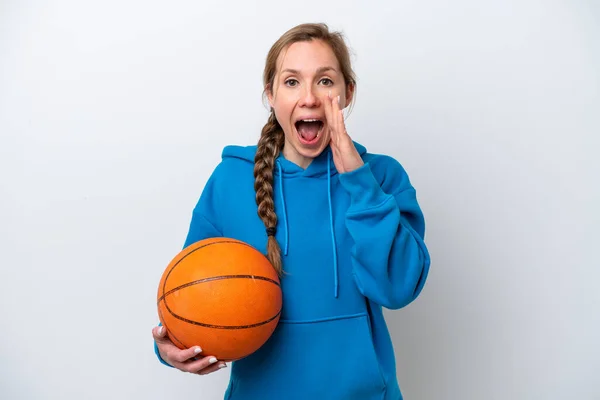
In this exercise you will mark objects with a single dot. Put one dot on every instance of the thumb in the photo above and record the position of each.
(159, 333)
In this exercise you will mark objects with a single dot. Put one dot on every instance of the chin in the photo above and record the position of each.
(313, 152)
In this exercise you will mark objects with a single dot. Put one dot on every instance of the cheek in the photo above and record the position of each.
(335, 92)
(284, 109)
(283, 112)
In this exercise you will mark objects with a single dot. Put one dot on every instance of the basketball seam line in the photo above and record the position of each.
(215, 278)
(222, 326)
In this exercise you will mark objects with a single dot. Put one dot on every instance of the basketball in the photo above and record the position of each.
(220, 294)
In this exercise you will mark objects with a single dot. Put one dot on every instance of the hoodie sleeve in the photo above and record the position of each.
(204, 223)
(389, 255)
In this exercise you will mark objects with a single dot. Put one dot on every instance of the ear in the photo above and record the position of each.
(269, 94)
(349, 94)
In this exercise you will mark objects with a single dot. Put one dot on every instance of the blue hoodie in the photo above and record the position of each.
(351, 244)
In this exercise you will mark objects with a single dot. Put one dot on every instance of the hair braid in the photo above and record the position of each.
(269, 145)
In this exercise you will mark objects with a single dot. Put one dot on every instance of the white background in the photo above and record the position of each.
(113, 113)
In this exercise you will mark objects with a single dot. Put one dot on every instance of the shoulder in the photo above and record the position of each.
(234, 172)
(235, 159)
(239, 152)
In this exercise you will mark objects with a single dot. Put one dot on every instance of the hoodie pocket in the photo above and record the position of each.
(325, 359)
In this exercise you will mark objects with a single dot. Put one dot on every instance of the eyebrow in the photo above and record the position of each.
(319, 70)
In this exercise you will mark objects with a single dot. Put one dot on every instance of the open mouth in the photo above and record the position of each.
(309, 130)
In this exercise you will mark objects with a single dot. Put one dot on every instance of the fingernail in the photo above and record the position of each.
(160, 330)
(222, 366)
(197, 350)
(338, 99)
(212, 360)
(329, 94)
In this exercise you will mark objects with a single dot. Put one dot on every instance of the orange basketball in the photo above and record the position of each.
(220, 294)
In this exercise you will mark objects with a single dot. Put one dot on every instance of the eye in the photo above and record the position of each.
(329, 81)
(290, 81)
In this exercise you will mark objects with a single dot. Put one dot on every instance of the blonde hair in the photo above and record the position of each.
(272, 137)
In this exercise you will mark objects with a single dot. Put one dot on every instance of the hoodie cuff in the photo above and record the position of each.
(365, 192)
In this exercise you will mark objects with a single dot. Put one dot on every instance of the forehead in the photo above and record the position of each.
(307, 57)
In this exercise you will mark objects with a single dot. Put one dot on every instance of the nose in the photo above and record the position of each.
(308, 98)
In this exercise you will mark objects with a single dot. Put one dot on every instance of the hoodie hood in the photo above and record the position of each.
(319, 167)
(322, 167)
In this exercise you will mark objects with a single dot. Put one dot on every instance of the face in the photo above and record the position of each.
(305, 75)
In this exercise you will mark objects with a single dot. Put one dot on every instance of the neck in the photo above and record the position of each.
(291, 155)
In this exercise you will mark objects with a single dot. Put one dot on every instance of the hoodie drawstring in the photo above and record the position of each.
(335, 264)
(335, 261)
(285, 252)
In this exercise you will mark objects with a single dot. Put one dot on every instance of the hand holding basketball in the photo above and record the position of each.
(187, 360)
(221, 294)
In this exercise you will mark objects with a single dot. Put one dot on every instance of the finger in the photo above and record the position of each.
(181, 356)
(199, 365)
(328, 112)
(342, 123)
(159, 333)
(334, 146)
(339, 122)
(333, 122)
(334, 110)
(212, 368)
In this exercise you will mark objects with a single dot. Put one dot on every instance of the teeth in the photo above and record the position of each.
(310, 120)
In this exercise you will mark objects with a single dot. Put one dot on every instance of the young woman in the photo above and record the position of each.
(342, 224)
